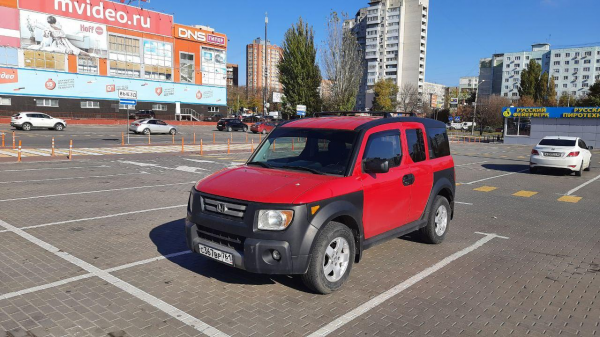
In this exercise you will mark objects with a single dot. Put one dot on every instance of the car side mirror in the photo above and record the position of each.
(590, 147)
(376, 165)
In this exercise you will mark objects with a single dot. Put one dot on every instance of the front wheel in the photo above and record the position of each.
(59, 127)
(439, 219)
(332, 257)
(173, 132)
(146, 132)
(264, 131)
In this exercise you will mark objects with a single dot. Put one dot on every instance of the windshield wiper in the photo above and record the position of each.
(260, 163)
(301, 168)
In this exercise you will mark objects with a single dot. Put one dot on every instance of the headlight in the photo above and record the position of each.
(272, 220)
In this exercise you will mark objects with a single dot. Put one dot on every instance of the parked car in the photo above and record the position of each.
(34, 120)
(262, 127)
(149, 126)
(568, 153)
(213, 118)
(142, 114)
(231, 124)
(315, 207)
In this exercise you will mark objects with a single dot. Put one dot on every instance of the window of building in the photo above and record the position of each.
(505, 94)
(517, 58)
(556, 78)
(573, 93)
(517, 72)
(587, 61)
(158, 60)
(565, 85)
(575, 70)
(506, 80)
(566, 70)
(124, 55)
(556, 55)
(48, 102)
(527, 57)
(588, 53)
(568, 55)
(44, 60)
(557, 70)
(159, 107)
(574, 85)
(556, 63)
(517, 65)
(515, 80)
(576, 62)
(567, 62)
(213, 109)
(87, 65)
(519, 126)
(508, 58)
(9, 56)
(90, 105)
(514, 94)
(187, 67)
(5, 101)
(585, 85)
(416, 145)
(577, 54)
(586, 69)
(565, 78)
(597, 68)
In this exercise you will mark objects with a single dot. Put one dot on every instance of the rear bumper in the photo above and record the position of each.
(570, 163)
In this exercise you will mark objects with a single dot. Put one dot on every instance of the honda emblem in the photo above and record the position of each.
(221, 208)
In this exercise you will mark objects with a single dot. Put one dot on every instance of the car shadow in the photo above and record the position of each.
(169, 238)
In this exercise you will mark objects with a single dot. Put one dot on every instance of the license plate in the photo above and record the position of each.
(552, 154)
(216, 254)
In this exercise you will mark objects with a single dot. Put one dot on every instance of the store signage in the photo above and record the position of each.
(105, 12)
(543, 112)
(9, 75)
(194, 34)
(301, 110)
(128, 94)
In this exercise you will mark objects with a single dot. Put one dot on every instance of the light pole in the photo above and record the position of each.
(475, 109)
(266, 68)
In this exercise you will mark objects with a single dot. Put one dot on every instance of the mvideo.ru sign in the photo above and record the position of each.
(106, 12)
(543, 112)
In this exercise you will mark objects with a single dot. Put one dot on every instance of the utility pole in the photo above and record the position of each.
(266, 68)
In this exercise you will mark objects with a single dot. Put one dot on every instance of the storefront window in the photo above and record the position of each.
(124, 54)
(44, 60)
(9, 56)
(158, 60)
(186, 62)
(519, 126)
(87, 65)
(214, 66)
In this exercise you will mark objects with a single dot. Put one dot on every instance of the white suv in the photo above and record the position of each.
(30, 120)
(570, 153)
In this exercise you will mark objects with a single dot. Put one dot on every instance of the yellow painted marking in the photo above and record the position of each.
(569, 198)
(525, 194)
(521, 157)
(458, 184)
(485, 188)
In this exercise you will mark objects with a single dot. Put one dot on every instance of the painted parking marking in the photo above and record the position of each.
(494, 177)
(57, 168)
(485, 188)
(117, 282)
(570, 199)
(582, 185)
(463, 203)
(71, 178)
(376, 301)
(525, 194)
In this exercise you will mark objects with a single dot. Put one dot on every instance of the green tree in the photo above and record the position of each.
(551, 100)
(593, 96)
(529, 79)
(298, 70)
(566, 99)
(386, 95)
(541, 89)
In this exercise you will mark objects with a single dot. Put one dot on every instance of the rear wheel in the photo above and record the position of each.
(438, 222)
(59, 127)
(580, 172)
(229, 129)
(589, 167)
(533, 170)
(245, 129)
(26, 126)
(332, 257)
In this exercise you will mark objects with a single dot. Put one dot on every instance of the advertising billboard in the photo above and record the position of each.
(198, 35)
(41, 83)
(105, 12)
(213, 66)
(62, 35)
(542, 112)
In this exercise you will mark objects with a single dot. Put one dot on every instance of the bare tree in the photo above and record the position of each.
(489, 111)
(408, 98)
(343, 64)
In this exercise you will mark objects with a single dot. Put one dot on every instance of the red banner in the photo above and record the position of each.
(105, 12)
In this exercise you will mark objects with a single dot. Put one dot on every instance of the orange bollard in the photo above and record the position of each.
(194, 138)
(19, 153)
(201, 148)
(228, 149)
(182, 145)
(213, 137)
(13, 140)
(246, 137)
(173, 139)
(122, 138)
(273, 145)
(53, 147)
(70, 149)
(149, 142)
(252, 146)
(2, 139)
(292, 144)
(260, 137)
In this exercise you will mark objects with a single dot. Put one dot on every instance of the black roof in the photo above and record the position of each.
(427, 122)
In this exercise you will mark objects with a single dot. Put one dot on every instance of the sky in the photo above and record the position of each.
(460, 31)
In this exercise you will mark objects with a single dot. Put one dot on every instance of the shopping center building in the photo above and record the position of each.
(71, 57)
(529, 125)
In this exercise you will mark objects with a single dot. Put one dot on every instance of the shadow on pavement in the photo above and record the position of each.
(169, 238)
(506, 167)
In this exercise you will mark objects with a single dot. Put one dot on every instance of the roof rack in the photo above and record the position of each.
(384, 114)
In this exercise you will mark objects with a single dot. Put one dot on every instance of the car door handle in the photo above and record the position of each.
(408, 179)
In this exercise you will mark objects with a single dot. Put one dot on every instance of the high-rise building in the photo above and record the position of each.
(255, 65)
(232, 74)
(434, 95)
(393, 36)
(468, 83)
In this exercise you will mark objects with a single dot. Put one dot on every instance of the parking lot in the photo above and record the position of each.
(96, 247)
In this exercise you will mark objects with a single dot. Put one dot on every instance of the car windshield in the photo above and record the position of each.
(557, 142)
(312, 150)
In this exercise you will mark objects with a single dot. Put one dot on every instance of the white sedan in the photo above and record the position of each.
(569, 153)
(151, 125)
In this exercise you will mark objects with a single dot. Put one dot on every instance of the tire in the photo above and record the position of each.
(264, 131)
(59, 127)
(229, 129)
(245, 129)
(438, 222)
(533, 170)
(173, 131)
(580, 172)
(323, 254)
(146, 131)
(589, 168)
(26, 126)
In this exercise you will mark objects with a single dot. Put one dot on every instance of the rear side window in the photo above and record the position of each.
(439, 146)
(385, 145)
(416, 145)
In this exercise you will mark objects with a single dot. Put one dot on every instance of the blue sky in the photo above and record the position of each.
(460, 31)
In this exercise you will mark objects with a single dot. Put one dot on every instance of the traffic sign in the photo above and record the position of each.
(453, 100)
(301, 110)
(457, 119)
(128, 102)
(450, 119)
(128, 94)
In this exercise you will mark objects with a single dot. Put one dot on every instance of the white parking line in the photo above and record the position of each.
(71, 178)
(582, 185)
(117, 282)
(463, 203)
(374, 302)
(104, 216)
(494, 177)
(56, 168)
(98, 191)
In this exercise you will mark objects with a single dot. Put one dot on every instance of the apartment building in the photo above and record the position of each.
(393, 36)
(434, 95)
(574, 69)
(255, 65)
(468, 83)
(232, 74)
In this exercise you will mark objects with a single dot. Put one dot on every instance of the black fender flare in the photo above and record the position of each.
(444, 186)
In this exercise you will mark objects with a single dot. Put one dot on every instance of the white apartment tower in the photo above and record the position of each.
(393, 35)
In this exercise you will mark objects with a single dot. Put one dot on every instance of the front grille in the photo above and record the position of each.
(221, 238)
(224, 208)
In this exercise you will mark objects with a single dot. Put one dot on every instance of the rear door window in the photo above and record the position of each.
(439, 146)
(416, 145)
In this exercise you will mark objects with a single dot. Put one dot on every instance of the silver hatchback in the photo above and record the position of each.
(151, 125)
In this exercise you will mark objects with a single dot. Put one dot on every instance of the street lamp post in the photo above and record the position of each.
(475, 109)
(266, 68)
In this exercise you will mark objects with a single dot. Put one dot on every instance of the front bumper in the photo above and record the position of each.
(251, 248)
(567, 163)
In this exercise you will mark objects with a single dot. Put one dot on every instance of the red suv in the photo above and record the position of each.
(319, 191)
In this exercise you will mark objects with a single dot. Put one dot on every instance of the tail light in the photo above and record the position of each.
(573, 154)
(535, 152)
(18, 117)
(136, 124)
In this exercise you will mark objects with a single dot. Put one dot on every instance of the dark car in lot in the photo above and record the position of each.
(213, 118)
(231, 124)
(142, 114)
(319, 191)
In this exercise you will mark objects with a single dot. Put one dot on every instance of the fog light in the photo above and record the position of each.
(276, 255)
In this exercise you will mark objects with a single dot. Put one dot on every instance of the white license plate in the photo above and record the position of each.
(552, 154)
(216, 254)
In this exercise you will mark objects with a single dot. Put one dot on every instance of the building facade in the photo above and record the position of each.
(434, 95)
(490, 75)
(66, 62)
(393, 36)
(468, 83)
(255, 66)
(232, 74)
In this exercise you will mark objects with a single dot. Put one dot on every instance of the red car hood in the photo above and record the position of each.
(261, 184)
